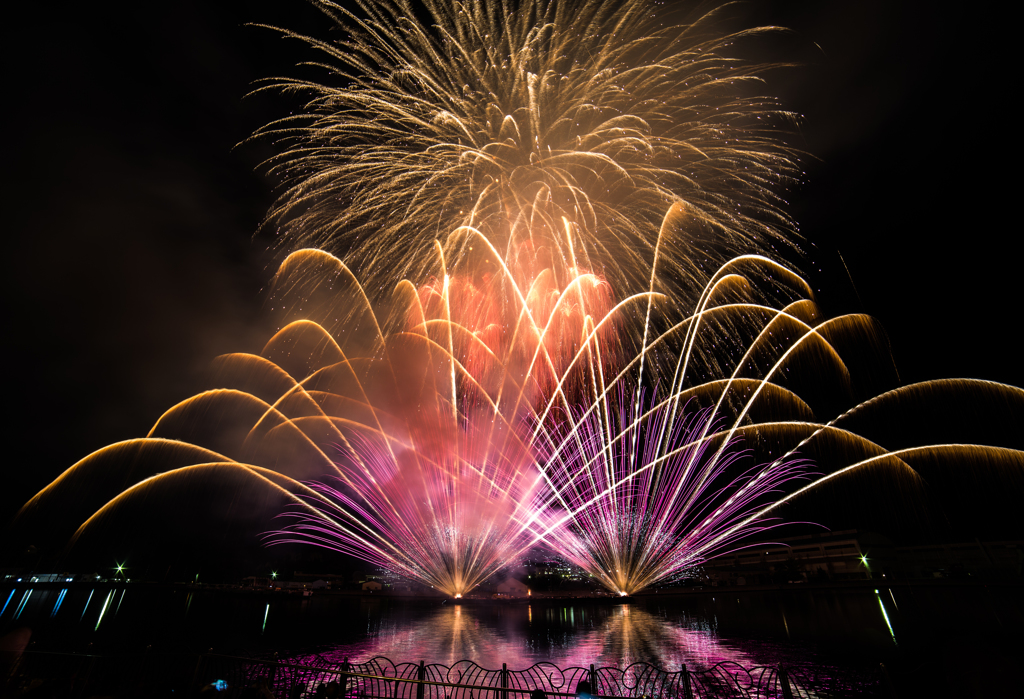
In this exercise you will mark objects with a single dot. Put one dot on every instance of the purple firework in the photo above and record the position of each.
(641, 492)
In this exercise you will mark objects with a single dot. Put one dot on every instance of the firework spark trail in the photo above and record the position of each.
(455, 502)
(410, 500)
(486, 126)
(524, 121)
(619, 525)
(630, 517)
(447, 527)
(595, 486)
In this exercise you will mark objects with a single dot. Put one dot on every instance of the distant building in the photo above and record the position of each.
(255, 581)
(512, 588)
(840, 555)
(1000, 559)
(372, 585)
(51, 577)
(556, 566)
(854, 555)
(331, 579)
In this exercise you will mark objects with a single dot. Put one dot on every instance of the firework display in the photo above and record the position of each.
(531, 300)
(641, 498)
(522, 120)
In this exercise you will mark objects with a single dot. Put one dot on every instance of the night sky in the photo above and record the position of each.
(134, 257)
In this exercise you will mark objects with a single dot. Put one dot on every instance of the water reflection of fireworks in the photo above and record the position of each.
(615, 637)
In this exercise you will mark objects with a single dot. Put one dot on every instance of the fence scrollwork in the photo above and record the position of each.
(382, 678)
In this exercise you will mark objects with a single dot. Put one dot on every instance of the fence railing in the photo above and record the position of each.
(156, 674)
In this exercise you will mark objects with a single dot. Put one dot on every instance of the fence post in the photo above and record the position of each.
(888, 690)
(344, 678)
(787, 691)
(147, 663)
(421, 676)
(504, 681)
(194, 684)
(593, 680)
(89, 668)
(684, 678)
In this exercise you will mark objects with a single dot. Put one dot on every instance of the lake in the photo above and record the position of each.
(829, 625)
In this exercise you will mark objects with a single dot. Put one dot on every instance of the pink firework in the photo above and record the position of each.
(643, 491)
(448, 509)
(436, 477)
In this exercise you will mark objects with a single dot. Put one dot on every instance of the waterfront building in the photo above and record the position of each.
(856, 555)
(512, 588)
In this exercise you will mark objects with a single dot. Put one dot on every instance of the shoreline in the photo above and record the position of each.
(930, 583)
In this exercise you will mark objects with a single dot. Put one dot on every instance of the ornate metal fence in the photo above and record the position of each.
(381, 678)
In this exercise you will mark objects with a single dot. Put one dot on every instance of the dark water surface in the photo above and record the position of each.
(845, 625)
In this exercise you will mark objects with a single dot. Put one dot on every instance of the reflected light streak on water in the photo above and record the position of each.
(60, 598)
(885, 615)
(22, 603)
(627, 635)
(91, 592)
(6, 603)
(104, 610)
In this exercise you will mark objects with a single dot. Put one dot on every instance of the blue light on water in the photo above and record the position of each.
(87, 603)
(21, 605)
(6, 603)
(119, 601)
(60, 598)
